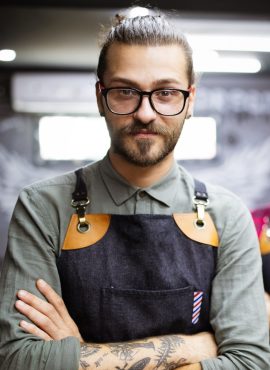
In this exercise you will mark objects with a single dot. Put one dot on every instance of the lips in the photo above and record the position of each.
(144, 133)
(142, 130)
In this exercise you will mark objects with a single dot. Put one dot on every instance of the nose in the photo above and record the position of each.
(145, 112)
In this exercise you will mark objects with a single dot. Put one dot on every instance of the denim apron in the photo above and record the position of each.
(127, 277)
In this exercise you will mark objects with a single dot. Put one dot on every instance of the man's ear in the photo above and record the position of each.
(191, 101)
(99, 99)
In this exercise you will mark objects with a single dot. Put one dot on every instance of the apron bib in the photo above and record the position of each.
(127, 277)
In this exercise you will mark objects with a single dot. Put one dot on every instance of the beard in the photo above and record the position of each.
(141, 152)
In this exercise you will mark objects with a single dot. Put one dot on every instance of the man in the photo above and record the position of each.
(146, 275)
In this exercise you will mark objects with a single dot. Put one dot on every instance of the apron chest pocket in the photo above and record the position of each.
(131, 314)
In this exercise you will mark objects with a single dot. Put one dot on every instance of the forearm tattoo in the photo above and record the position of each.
(126, 353)
(169, 346)
(86, 351)
(139, 365)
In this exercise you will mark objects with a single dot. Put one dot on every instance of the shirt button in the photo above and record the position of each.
(142, 194)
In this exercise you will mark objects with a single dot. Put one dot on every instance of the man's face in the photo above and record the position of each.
(145, 137)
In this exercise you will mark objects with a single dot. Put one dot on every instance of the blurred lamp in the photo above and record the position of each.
(138, 11)
(7, 55)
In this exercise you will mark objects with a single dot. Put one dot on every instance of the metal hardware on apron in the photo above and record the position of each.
(80, 201)
(126, 277)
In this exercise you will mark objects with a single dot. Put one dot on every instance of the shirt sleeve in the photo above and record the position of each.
(238, 313)
(31, 254)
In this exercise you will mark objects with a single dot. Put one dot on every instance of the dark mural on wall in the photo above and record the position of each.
(241, 107)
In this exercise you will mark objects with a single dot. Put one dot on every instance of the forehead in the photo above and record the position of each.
(144, 65)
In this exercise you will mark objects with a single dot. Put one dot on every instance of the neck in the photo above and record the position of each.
(142, 177)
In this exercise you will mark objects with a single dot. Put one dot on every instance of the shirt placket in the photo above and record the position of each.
(143, 202)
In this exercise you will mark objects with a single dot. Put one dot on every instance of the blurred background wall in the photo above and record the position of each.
(53, 76)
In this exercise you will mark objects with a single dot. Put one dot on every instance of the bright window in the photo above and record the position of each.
(87, 138)
(198, 139)
(73, 138)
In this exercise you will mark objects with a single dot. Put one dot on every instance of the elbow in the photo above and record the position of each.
(41, 355)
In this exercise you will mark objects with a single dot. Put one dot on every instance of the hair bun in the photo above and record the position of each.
(119, 19)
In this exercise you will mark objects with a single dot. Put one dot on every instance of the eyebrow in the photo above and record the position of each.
(167, 81)
(135, 83)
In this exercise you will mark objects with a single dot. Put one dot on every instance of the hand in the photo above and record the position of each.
(50, 319)
(205, 345)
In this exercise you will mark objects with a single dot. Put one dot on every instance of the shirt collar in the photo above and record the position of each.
(120, 190)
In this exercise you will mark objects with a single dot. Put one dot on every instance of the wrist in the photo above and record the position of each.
(200, 347)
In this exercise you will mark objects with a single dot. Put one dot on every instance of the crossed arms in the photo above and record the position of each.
(50, 320)
(237, 314)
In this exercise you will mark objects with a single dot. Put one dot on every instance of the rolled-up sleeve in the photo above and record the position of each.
(31, 254)
(238, 313)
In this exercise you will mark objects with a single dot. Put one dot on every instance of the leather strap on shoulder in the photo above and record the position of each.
(200, 191)
(80, 192)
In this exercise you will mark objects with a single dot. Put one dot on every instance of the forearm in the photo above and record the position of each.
(172, 351)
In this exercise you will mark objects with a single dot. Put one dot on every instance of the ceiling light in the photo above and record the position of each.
(230, 42)
(7, 55)
(138, 11)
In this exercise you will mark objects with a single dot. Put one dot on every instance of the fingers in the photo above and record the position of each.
(57, 302)
(43, 322)
(50, 317)
(53, 298)
(39, 305)
(33, 329)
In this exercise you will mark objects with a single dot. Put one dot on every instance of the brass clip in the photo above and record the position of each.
(200, 206)
(83, 225)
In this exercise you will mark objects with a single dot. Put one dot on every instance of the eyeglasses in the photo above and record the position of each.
(167, 102)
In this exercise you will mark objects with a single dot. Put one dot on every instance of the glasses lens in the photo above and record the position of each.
(168, 102)
(123, 101)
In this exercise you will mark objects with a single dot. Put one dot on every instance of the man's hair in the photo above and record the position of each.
(149, 30)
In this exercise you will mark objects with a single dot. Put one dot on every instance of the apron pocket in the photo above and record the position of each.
(131, 314)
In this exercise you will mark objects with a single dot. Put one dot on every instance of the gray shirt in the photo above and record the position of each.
(37, 231)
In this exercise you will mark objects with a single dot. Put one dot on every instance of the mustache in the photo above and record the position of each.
(136, 127)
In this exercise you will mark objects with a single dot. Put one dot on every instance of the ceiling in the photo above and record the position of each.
(63, 35)
(242, 7)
